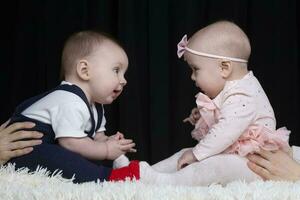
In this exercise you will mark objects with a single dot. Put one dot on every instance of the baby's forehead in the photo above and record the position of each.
(113, 51)
(111, 47)
(203, 41)
(195, 60)
(108, 45)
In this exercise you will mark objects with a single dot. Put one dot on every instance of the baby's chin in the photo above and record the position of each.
(107, 100)
(212, 96)
(209, 95)
(110, 99)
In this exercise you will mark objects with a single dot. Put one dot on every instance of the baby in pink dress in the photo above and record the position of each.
(236, 117)
(238, 120)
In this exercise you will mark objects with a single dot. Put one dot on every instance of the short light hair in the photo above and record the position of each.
(80, 45)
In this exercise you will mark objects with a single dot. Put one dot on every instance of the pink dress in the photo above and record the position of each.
(239, 120)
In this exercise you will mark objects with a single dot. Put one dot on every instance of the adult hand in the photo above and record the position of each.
(276, 165)
(10, 144)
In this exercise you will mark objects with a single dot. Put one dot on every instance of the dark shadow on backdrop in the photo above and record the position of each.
(159, 93)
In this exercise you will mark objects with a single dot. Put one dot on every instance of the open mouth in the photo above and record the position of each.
(117, 92)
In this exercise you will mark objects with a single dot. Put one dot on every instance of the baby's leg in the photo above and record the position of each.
(217, 169)
(169, 165)
(56, 158)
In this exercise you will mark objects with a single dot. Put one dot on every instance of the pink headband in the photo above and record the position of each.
(182, 47)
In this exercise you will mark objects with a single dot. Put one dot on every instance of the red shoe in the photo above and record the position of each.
(131, 171)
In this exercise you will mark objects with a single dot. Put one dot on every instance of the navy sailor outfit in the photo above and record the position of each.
(50, 154)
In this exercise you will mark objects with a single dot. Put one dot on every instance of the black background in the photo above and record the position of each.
(159, 93)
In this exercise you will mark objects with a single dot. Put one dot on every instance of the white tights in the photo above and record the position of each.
(222, 168)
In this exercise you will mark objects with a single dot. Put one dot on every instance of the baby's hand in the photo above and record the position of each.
(186, 158)
(115, 148)
(194, 116)
(117, 136)
(130, 149)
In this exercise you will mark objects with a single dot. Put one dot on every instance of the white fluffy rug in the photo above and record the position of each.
(26, 186)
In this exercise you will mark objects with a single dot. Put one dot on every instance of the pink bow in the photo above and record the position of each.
(207, 108)
(181, 46)
(209, 116)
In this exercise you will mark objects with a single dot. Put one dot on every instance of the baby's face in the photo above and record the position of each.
(108, 65)
(206, 73)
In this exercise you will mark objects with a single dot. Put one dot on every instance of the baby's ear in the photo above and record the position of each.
(82, 70)
(226, 68)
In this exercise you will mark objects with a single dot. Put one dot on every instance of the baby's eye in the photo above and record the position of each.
(116, 70)
(195, 69)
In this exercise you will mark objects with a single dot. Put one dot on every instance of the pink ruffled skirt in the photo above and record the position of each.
(256, 137)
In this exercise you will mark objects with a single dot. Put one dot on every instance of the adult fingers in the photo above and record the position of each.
(265, 154)
(4, 125)
(17, 126)
(20, 152)
(19, 135)
(262, 172)
(259, 160)
(23, 144)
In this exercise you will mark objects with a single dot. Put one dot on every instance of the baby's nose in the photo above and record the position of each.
(123, 82)
(193, 77)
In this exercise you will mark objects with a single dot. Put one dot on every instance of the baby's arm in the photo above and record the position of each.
(236, 114)
(68, 123)
(90, 149)
(85, 146)
(100, 137)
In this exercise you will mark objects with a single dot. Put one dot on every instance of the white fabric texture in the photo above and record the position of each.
(20, 184)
